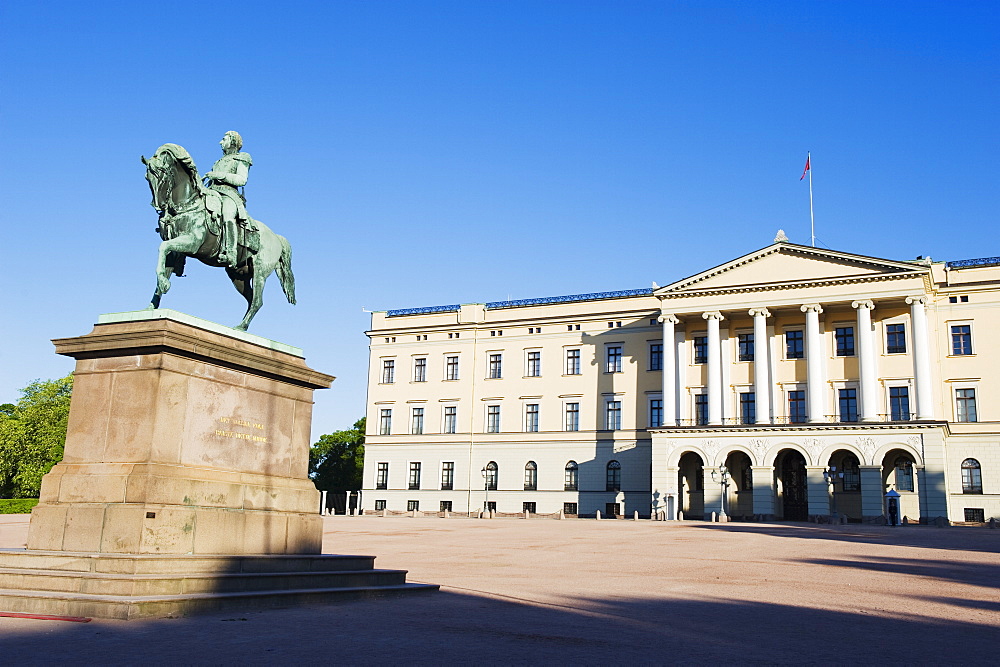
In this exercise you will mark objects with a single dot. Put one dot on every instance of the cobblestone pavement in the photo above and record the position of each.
(594, 592)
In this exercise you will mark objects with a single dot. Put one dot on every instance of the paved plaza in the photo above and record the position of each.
(538, 591)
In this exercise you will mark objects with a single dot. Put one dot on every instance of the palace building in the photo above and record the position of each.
(791, 383)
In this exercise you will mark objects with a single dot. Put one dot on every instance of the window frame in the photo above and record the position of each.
(906, 413)
(845, 340)
(575, 413)
(967, 348)
(530, 476)
(612, 414)
(571, 476)
(699, 350)
(799, 401)
(746, 346)
(892, 338)
(381, 475)
(963, 403)
(531, 418)
(800, 344)
(655, 412)
(449, 421)
(420, 369)
(493, 424)
(613, 476)
(972, 476)
(388, 371)
(495, 368)
(447, 475)
(417, 420)
(385, 421)
(492, 476)
(451, 367)
(747, 407)
(533, 363)
(614, 353)
(847, 396)
(656, 356)
(413, 479)
(573, 355)
(699, 407)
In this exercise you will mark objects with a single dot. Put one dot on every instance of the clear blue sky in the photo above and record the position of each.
(422, 153)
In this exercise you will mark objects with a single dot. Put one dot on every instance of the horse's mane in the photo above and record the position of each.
(181, 156)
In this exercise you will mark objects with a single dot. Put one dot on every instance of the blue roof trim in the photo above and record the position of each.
(454, 308)
(982, 261)
(646, 291)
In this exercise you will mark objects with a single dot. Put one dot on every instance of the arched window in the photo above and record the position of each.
(972, 476)
(571, 476)
(530, 476)
(614, 476)
(852, 473)
(904, 474)
(491, 476)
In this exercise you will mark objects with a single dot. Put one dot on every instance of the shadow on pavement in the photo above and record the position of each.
(974, 574)
(458, 628)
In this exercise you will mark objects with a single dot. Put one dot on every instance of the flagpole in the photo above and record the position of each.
(812, 217)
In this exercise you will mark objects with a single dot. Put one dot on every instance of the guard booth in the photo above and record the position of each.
(892, 509)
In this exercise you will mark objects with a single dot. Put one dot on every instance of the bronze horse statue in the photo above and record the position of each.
(190, 228)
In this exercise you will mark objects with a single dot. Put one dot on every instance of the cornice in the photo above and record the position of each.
(769, 287)
(771, 428)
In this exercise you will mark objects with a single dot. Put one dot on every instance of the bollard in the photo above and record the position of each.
(446, 514)
(562, 516)
(525, 514)
(384, 510)
(413, 514)
(714, 518)
(635, 515)
(598, 515)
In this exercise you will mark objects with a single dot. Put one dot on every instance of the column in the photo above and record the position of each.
(872, 490)
(866, 360)
(814, 364)
(761, 366)
(921, 357)
(817, 491)
(714, 368)
(763, 491)
(669, 369)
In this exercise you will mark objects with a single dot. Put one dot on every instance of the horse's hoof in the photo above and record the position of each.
(150, 307)
(241, 327)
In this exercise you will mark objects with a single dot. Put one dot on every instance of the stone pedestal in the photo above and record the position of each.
(182, 440)
(184, 484)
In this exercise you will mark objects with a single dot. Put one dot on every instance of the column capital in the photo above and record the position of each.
(863, 303)
(668, 317)
(811, 308)
(762, 312)
(922, 300)
(712, 315)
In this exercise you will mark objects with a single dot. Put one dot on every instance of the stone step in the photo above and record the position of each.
(111, 563)
(100, 583)
(152, 606)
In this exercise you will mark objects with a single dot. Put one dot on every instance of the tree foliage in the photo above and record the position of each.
(33, 435)
(336, 459)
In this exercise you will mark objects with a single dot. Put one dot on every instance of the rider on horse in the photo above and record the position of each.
(228, 174)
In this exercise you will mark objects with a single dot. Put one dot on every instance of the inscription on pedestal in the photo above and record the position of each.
(230, 422)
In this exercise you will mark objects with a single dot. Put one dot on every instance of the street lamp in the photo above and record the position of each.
(831, 475)
(723, 480)
(486, 487)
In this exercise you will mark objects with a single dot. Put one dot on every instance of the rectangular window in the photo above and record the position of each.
(385, 422)
(379, 505)
(847, 400)
(701, 349)
(746, 343)
(420, 369)
(899, 404)
(388, 371)
(445, 506)
(572, 362)
(961, 339)
(852, 477)
(797, 406)
(748, 407)
(655, 413)
(794, 345)
(614, 479)
(895, 339)
(493, 419)
(414, 476)
(569, 508)
(614, 415)
(451, 368)
(572, 416)
(450, 418)
(417, 421)
(447, 476)
(528, 507)
(904, 475)
(656, 356)
(412, 505)
(844, 336)
(531, 417)
(975, 515)
(382, 476)
(490, 506)
(614, 359)
(701, 409)
(534, 364)
(965, 403)
(496, 366)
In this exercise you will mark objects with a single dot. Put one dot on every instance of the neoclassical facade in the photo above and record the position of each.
(790, 383)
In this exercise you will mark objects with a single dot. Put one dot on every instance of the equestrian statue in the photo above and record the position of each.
(209, 221)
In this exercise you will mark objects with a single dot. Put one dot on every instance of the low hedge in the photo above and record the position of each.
(17, 505)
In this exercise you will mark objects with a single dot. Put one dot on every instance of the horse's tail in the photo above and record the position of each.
(284, 270)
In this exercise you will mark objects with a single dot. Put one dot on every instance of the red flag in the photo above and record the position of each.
(805, 170)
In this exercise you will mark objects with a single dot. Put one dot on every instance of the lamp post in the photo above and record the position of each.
(486, 487)
(831, 475)
(723, 480)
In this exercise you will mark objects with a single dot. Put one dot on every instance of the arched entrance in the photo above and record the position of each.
(790, 469)
(846, 491)
(691, 485)
(739, 504)
(899, 472)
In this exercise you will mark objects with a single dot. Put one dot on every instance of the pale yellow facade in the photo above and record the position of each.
(790, 383)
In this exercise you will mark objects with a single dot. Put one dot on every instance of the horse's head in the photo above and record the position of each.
(172, 176)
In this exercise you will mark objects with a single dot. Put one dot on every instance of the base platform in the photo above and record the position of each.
(131, 586)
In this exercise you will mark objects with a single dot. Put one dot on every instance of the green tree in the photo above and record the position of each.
(33, 435)
(336, 459)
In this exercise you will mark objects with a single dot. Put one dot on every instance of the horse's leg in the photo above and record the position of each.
(260, 274)
(185, 244)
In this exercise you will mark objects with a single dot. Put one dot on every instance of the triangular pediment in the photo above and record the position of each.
(789, 263)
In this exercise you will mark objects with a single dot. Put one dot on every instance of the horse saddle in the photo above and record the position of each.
(247, 235)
